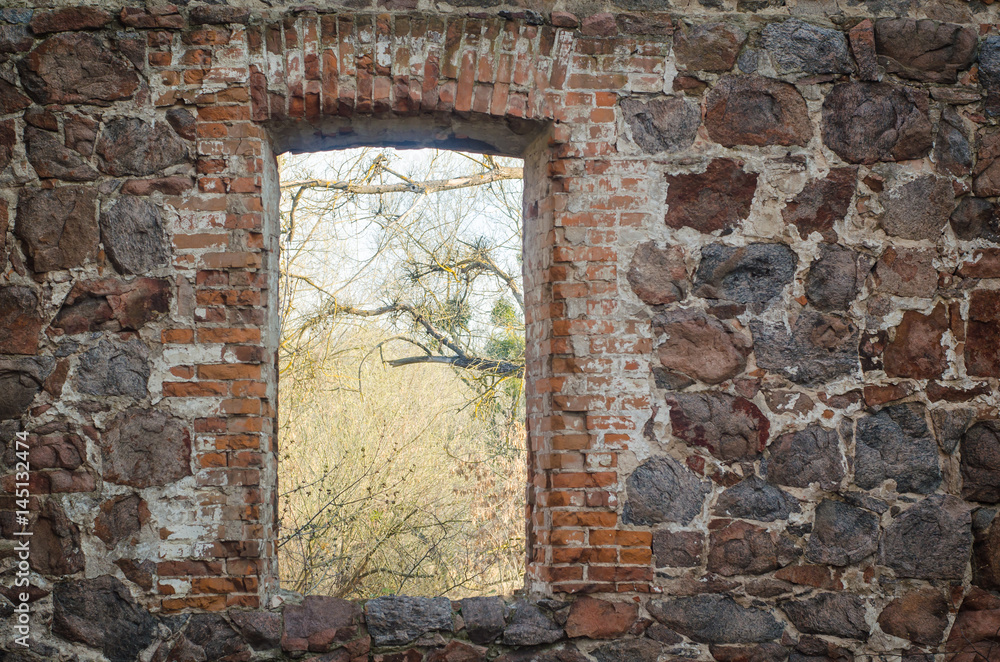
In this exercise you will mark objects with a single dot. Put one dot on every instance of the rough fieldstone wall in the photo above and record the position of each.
(762, 268)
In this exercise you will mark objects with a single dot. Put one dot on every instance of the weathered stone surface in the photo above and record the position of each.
(812, 455)
(115, 369)
(862, 40)
(76, 68)
(101, 613)
(133, 235)
(183, 123)
(662, 490)
(528, 626)
(677, 549)
(110, 304)
(982, 342)
(839, 614)
(916, 351)
(628, 650)
(81, 133)
(716, 199)
(842, 534)
(980, 452)
(484, 618)
(69, 19)
(397, 620)
(930, 540)
(753, 110)
(754, 274)
(767, 652)
(869, 122)
(58, 226)
(795, 45)
(120, 518)
(219, 15)
(918, 209)
(952, 150)
(987, 171)
(7, 141)
(20, 382)
(139, 573)
(744, 549)
(318, 622)
(950, 425)
(730, 427)
(261, 629)
(53, 445)
(21, 320)
(50, 159)
(989, 72)
(658, 275)
(145, 448)
(457, 651)
(974, 634)
(920, 616)
(11, 101)
(130, 146)
(976, 217)
(896, 444)
(600, 619)
(906, 272)
(820, 348)
(55, 542)
(716, 619)
(752, 498)
(924, 50)
(821, 203)
(699, 346)
(668, 124)
(565, 654)
(708, 47)
(836, 277)
(213, 635)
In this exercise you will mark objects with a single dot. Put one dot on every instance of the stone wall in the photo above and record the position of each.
(762, 269)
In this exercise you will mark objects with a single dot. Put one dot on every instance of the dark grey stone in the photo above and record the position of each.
(115, 369)
(836, 277)
(20, 381)
(483, 617)
(52, 159)
(732, 428)
(976, 218)
(716, 619)
(820, 348)
(668, 124)
(628, 650)
(754, 499)
(145, 448)
(394, 620)
(868, 122)
(213, 634)
(677, 549)
(529, 626)
(989, 71)
(842, 534)
(129, 146)
(101, 613)
(952, 150)
(930, 540)
(896, 443)
(838, 614)
(795, 45)
(980, 452)
(950, 425)
(133, 235)
(662, 490)
(807, 456)
(754, 274)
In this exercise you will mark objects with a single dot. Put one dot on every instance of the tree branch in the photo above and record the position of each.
(491, 366)
(431, 186)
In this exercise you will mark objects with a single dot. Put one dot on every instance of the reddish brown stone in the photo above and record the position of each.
(51, 159)
(744, 549)
(599, 25)
(658, 275)
(219, 15)
(809, 575)
(906, 272)
(458, 651)
(138, 572)
(689, 85)
(667, 124)
(862, 39)
(821, 203)
(41, 118)
(318, 622)
(879, 395)
(58, 226)
(937, 392)
(976, 632)
(564, 19)
(731, 428)
(7, 141)
(52, 446)
(917, 209)
(55, 543)
(987, 170)
(756, 111)
(165, 185)
(699, 346)
(183, 123)
(159, 16)
(708, 47)
(916, 351)
(716, 199)
(110, 304)
(81, 133)
(15, 38)
(261, 629)
(76, 68)
(600, 619)
(69, 19)
(145, 448)
(984, 263)
(133, 147)
(924, 50)
(920, 616)
(870, 122)
(11, 99)
(120, 518)
(20, 319)
(982, 343)
(952, 150)
(677, 549)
